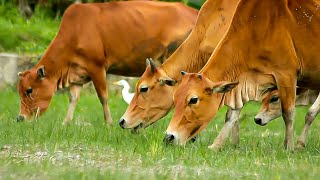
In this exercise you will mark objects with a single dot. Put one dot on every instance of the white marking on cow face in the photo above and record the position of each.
(270, 109)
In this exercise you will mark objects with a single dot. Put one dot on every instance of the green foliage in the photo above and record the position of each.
(195, 3)
(20, 35)
(87, 149)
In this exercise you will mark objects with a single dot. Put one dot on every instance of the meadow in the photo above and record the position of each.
(87, 148)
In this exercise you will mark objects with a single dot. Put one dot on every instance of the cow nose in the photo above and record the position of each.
(258, 120)
(121, 123)
(20, 118)
(168, 138)
(193, 139)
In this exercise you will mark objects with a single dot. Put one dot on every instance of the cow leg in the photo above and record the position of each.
(232, 117)
(99, 80)
(311, 115)
(73, 99)
(235, 129)
(235, 136)
(287, 91)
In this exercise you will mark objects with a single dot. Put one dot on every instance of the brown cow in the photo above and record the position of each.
(100, 38)
(269, 43)
(271, 109)
(153, 99)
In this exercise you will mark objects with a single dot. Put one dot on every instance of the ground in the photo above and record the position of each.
(88, 149)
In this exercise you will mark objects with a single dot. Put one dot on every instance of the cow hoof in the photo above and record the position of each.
(289, 148)
(215, 148)
(109, 124)
(65, 123)
(301, 145)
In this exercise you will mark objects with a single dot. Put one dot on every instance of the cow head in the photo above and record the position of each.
(36, 91)
(152, 99)
(196, 101)
(270, 109)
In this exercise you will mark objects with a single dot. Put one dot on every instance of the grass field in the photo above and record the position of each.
(88, 149)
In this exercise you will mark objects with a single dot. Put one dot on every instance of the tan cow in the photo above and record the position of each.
(96, 39)
(153, 99)
(269, 43)
(271, 109)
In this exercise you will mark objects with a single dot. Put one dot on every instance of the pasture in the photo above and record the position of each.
(87, 149)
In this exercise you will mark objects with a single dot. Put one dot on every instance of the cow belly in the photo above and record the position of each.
(310, 80)
(78, 75)
(127, 69)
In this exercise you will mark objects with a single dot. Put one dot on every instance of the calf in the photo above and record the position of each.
(271, 109)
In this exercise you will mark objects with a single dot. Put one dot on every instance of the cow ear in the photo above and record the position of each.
(149, 62)
(224, 86)
(41, 72)
(168, 81)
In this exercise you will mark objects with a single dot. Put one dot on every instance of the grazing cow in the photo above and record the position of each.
(271, 109)
(153, 99)
(270, 43)
(100, 38)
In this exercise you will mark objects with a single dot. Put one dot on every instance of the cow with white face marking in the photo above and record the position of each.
(271, 109)
(154, 90)
(270, 43)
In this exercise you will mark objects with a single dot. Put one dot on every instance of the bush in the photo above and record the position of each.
(20, 35)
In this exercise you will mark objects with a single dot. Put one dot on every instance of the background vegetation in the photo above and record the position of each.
(30, 31)
(26, 36)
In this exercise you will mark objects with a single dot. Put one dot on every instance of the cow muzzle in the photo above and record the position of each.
(259, 121)
(122, 122)
(20, 118)
(168, 139)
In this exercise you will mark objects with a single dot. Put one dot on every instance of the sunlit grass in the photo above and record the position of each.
(89, 149)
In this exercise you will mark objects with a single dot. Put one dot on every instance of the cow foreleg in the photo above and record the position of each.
(235, 136)
(311, 115)
(73, 99)
(99, 80)
(287, 90)
(232, 117)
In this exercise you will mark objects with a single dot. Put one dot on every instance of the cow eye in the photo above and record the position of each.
(29, 91)
(274, 99)
(144, 89)
(193, 100)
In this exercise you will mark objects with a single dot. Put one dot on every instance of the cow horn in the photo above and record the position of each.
(183, 73)
(152, 65)
(199, 76)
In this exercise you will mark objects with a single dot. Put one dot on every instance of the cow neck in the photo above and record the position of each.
(190, 56)
(178, 63)
(223, 67)
(56, 64)
(252, 85)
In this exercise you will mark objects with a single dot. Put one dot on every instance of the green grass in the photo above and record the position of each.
(23, 36)
(88, 149)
